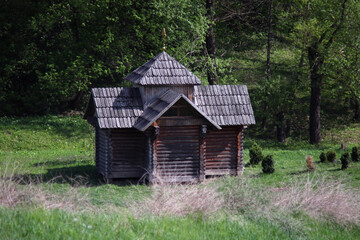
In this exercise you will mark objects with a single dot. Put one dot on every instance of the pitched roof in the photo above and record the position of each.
(225, 104)
(117, 107)
(162, 70)
(160, 104)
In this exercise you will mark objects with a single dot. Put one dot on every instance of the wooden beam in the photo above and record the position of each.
(203, 131)
(239, 156)
(154, 141)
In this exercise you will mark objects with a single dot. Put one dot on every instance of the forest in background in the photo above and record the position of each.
(300, 59)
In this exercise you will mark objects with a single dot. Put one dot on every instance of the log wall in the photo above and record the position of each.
(221, 151)
(177, 154)
(129, 153)
(102, 151)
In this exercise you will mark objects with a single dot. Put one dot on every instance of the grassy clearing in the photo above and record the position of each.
(49, 189)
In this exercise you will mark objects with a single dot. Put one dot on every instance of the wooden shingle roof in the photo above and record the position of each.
(221, 105)
(117, 107)
(226, 104)
(160, 105)
(163, 70)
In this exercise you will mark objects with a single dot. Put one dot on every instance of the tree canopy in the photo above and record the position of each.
(53, 52)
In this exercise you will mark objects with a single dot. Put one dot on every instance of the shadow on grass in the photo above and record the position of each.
(335, 170)
(298, 172)
(81, 175)
(61, 161)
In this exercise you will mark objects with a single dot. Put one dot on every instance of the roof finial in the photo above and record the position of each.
(164, 37)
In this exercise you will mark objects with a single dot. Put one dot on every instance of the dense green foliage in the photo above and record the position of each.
(268, 164)
(53, 52)
(345, 159)
(355, 156)
(323, 157)
(255, 153)
(331, 156)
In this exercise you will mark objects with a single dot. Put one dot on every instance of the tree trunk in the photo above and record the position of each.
(269, 34)
(288, 127)
(280, 128)
(357, 109)
(315, 62)
(210, 44)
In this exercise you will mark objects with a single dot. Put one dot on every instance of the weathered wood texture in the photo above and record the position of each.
(178, 154)
(221, 154)
(102, 152)
(240, 151)
(162, 70)
(128, 153)
(148, 92)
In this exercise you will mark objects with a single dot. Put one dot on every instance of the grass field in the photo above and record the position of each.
(49, 190)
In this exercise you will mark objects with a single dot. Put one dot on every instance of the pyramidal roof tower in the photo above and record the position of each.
(162, 70)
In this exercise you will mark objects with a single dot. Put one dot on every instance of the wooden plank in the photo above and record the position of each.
(220, 172)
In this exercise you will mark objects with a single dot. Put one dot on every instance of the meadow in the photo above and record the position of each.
(49, 190)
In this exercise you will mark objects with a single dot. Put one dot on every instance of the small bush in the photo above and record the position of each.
(256, 155)
(345, 159)
(309, 163)
(331, 155)
(323, 157)
(268, 164)
(355, 157)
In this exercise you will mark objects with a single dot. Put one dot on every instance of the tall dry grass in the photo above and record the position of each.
(321, 197)
(179, 200)
(317, 197)
(26, 191)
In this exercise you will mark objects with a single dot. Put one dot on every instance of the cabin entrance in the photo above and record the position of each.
(177, 152)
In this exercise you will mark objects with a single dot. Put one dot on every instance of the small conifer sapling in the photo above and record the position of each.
(345, 159)
(355, 157)
(331, 156)
(323, 157)
(256, 155)
(268, 164)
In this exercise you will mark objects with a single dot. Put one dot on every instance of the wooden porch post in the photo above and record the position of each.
(240, 154)
(154, 136)
(203, 131)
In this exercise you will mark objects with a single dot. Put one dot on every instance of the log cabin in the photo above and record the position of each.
(168, 127)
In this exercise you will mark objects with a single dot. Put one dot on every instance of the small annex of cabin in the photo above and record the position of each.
(168, 127)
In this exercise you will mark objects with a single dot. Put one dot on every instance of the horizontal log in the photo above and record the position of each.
(179, 150)
(220, 160)
(140, 165)
(220, 172)
(178, 179)
(226, 166)
(221, 150)
(169, 158)
(177, 141)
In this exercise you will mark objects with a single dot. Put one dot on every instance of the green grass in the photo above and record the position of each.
(37, 150)
(55, 224)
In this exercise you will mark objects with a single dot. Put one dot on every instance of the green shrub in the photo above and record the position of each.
(345, 159)
(331, 155)
(256, 155)
(268, 164)
(355, 157)
(323, 157)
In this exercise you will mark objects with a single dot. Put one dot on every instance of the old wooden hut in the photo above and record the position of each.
(168, 127)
